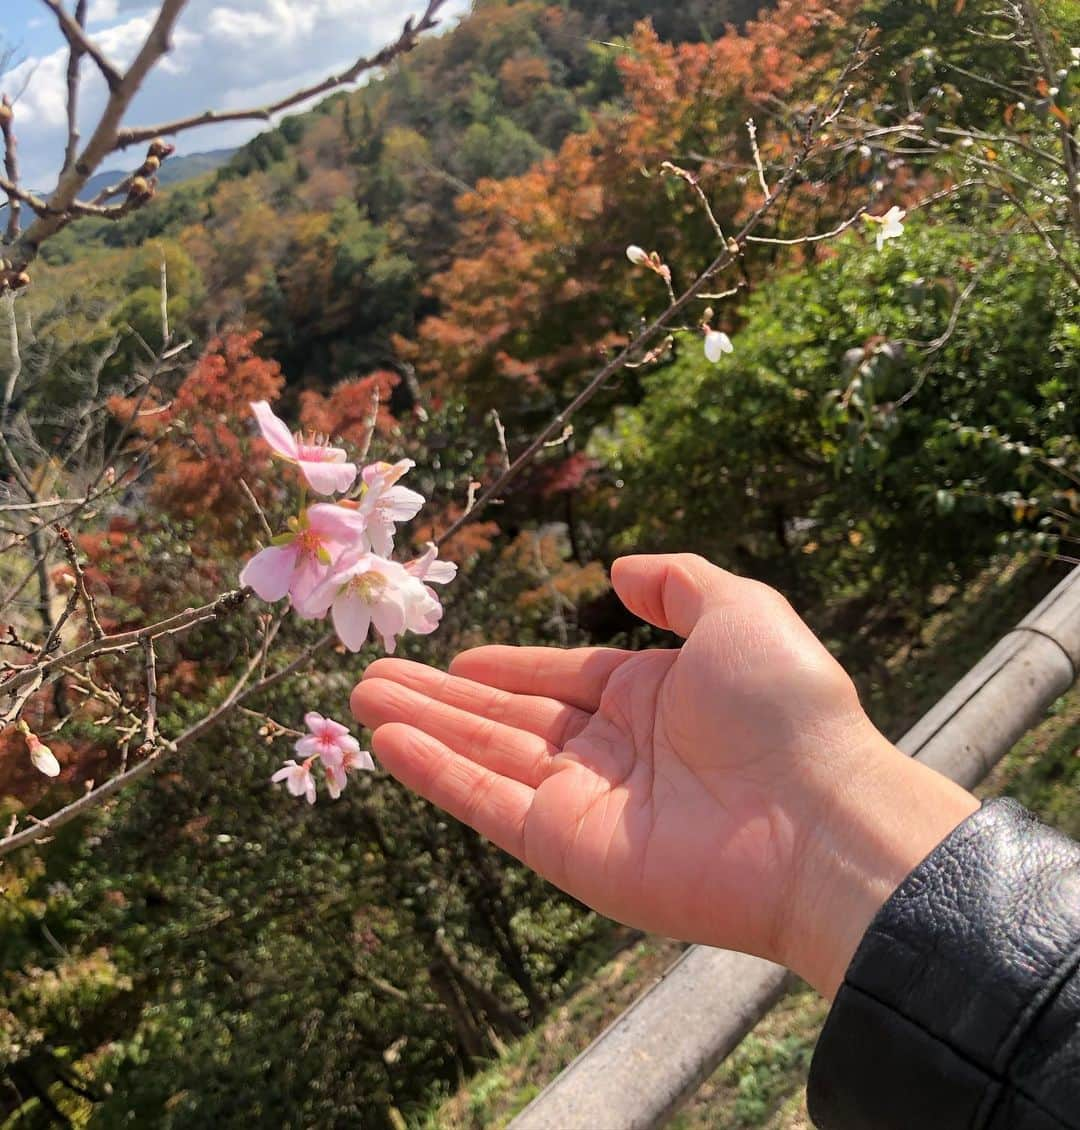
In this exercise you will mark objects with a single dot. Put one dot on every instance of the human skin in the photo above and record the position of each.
(732, 791)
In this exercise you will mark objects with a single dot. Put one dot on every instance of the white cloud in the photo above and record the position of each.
(232, 54)
(102, 11)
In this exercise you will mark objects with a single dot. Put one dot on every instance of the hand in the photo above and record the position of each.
(731, 792)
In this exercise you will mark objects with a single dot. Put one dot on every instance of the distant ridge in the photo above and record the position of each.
(174, 170)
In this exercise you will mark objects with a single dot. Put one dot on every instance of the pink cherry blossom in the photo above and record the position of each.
(386, 503)
(366, 590)
(328, 740)
(298, 779)
(337, 772)
(324, 467)
(331, 744)
(301, 559)
(428, 568)
(423, 613)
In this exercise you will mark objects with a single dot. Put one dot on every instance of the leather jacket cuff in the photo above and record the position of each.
(961, 1006)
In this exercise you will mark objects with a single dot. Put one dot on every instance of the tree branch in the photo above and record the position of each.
(402, 45)
(81, 44)
(74, 60)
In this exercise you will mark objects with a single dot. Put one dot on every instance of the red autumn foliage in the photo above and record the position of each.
(346, 413)
(202, 433)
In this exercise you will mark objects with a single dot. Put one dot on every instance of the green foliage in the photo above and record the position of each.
(859, 454)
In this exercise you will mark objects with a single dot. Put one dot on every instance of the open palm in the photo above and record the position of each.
(676, 790)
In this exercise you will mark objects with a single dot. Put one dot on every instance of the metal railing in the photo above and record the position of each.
(656, 1055)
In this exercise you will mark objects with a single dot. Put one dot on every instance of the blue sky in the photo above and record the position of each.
(228, 53)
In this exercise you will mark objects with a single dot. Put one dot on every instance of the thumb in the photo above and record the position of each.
(672, 590)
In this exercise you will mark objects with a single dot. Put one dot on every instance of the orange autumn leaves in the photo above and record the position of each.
(538, 290)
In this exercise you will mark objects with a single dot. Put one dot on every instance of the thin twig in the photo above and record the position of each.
(751, 129)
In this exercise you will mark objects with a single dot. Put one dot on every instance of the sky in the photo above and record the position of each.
(226, 56)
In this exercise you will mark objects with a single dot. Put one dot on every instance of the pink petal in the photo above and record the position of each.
(388, 473)
(389, 619)
(326, 478)
(309, 789)
(270, 571)
(338, 523)
(359, 760)
(335, 780)
(380, 533)
(348, 745)
(308, 746)
(352, 620)
(284, 771)
(308, 575)
(440, 573)
(400, 503)
(318, 603)
(314, 721)
(274, 431)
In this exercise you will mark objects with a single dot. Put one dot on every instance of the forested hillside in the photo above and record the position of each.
(898, 409)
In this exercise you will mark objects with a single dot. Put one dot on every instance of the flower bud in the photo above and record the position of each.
(43, 758)
(140, 188)
(637, 255)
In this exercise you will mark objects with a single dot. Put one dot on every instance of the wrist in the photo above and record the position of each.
(888, 814)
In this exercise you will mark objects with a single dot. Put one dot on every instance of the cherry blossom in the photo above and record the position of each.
(325, 468)
(298, 779)
(299, 560)
(328, 740)
(428, 568)
(337, 772)
(717, 343)
(386, 503)
(366, 590)
(330, 743)
(890, 225)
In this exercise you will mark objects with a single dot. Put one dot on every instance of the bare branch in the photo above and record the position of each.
(751, 129)
(124, 641)
(74, 60)
(10, 183)
(403, 44)
(81, 590)
(81, 44)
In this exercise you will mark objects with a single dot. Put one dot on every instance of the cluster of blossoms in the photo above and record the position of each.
(335, 557)
(330, 744)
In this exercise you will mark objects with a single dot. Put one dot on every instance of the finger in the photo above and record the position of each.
(554, 721)
(495, 806)
(503, 749)
(672, 590)
(576, 676)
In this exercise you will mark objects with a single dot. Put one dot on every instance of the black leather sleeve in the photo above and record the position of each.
(961, 1007)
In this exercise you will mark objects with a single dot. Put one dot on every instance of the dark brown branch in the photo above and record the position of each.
(402, 45)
